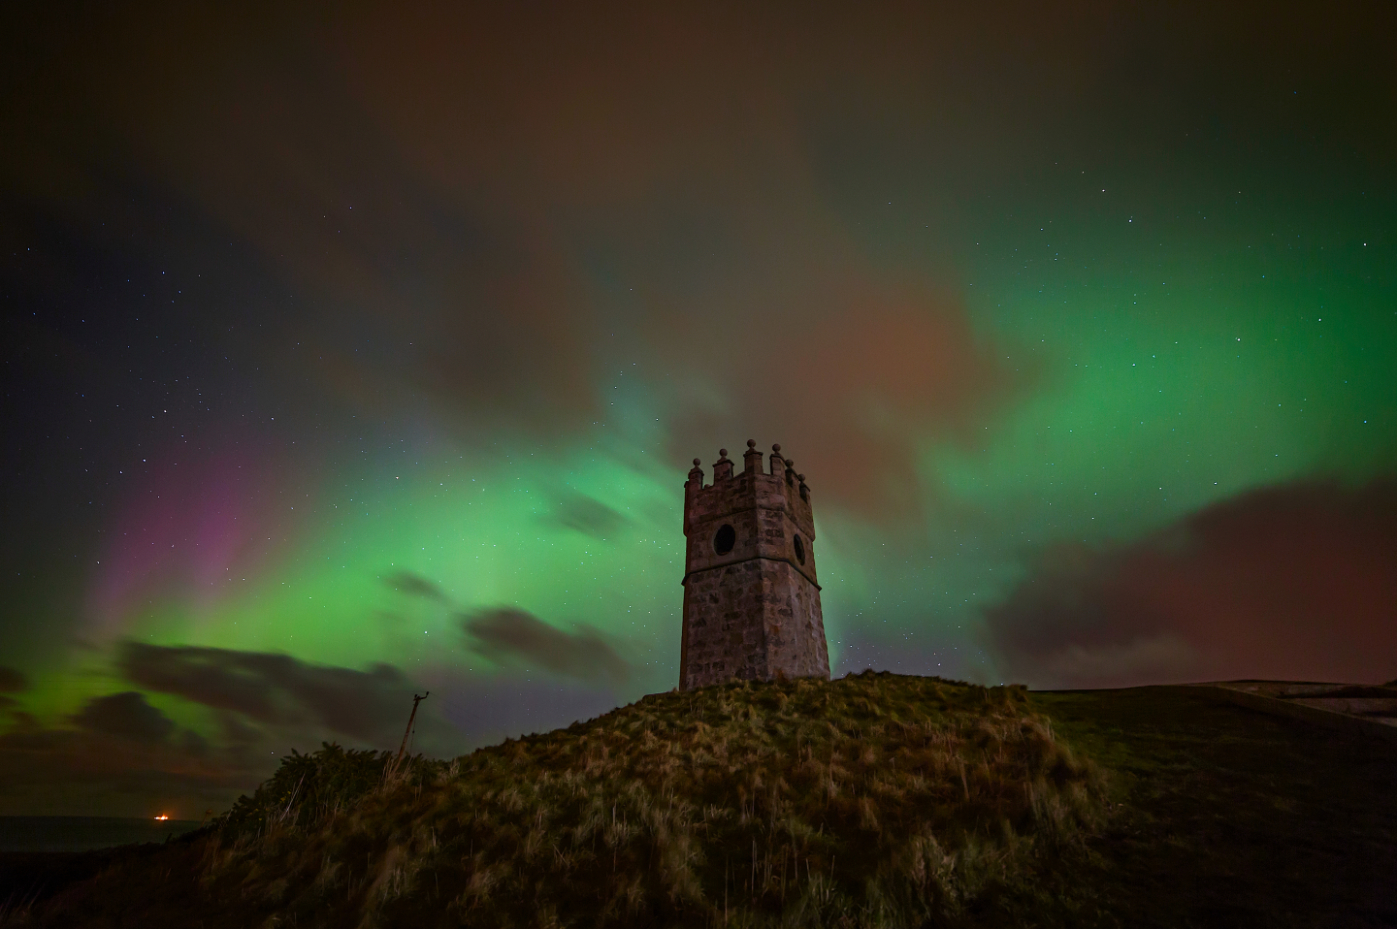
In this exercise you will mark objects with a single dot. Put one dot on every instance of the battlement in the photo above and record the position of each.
(751, 601)
(769, 514)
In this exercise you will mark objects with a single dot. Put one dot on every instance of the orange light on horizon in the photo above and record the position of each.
(162, 817)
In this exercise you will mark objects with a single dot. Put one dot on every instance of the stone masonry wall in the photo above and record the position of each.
(794, 624)
(751, 613)
(724, 635)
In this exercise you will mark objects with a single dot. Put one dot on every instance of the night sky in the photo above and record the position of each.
(351, 351)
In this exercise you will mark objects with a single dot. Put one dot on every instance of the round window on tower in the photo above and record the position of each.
(724, 539)
(800, 550)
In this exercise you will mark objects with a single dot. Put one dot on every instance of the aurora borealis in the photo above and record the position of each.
(357, 351)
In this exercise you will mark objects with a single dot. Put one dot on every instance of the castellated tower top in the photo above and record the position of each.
(751, 594)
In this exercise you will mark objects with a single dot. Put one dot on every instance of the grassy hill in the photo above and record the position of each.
(876, 800)
(872, 800)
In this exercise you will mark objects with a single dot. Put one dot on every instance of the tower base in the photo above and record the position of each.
(755, 620)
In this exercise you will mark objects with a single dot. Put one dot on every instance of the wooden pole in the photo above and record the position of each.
(407, 732)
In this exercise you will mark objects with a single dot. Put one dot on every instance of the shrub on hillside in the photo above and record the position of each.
(308, 789)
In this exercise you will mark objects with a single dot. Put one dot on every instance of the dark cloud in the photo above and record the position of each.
(12, 681)
(89, 771)
(126, 715)
(586, 515)
(540, 161)
(483, 213)
(1294, 582)
(514, 637)
(462, 253)
(870, 372)
(370, 706)
(124, 758)
(235, 730)
(415, 585)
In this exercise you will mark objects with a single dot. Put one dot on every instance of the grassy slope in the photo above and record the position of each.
(1222, 817)
(875, 800)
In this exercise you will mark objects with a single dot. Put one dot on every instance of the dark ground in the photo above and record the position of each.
(31, 877)
(1233, 817)
(1227, 817)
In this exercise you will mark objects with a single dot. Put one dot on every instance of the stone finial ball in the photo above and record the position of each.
(776, 447)
(722, 453)
(751, 443)
(696, 462)
(801, 477)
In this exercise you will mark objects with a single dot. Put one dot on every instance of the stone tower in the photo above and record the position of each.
(751, 600)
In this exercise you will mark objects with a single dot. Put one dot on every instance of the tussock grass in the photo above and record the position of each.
(875, 800)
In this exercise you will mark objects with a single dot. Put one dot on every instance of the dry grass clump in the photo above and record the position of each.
(876, 800)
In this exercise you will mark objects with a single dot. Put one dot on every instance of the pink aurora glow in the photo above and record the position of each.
(192, 531)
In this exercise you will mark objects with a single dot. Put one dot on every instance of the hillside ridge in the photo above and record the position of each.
(876, 799)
